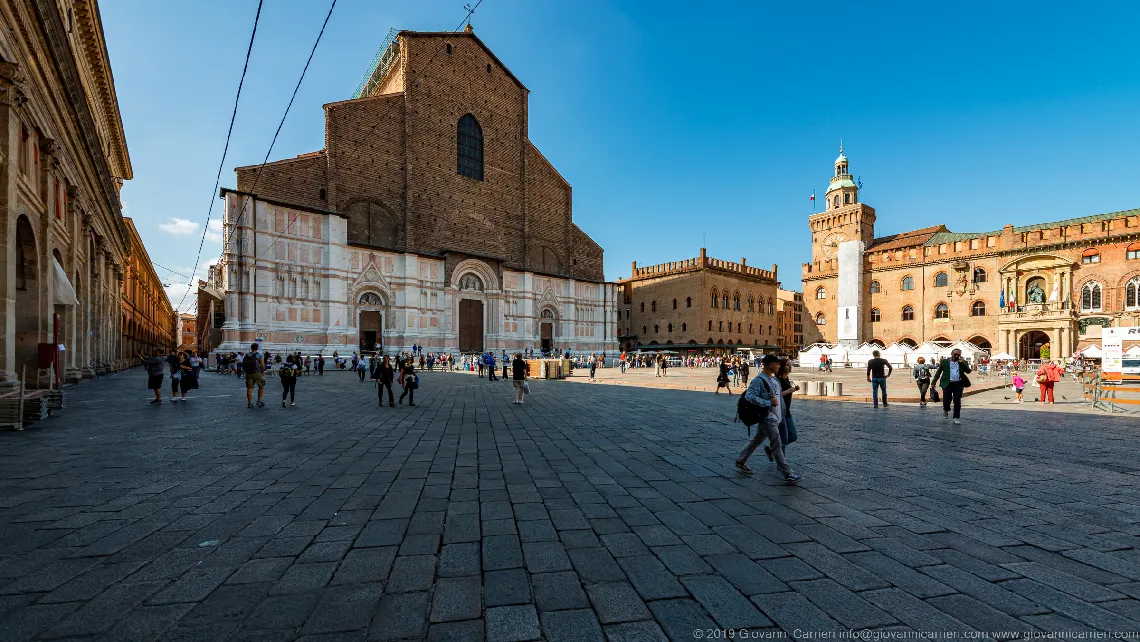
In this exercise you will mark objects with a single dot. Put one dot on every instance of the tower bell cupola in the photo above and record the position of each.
(842, 190)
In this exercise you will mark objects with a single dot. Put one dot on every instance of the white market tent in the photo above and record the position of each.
(1002, 356)
(898, 354)
(969, 350)
(1092, 352)
(810, 356)
(861, 355)
(1134, 351)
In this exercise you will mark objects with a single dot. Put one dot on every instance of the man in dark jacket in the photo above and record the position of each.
(878, 369)
(384, 374)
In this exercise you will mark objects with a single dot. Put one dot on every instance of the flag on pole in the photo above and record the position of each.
(812, 197)
(1001, 300)
(859, 182)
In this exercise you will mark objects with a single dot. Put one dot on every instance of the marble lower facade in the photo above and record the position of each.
(291, 283)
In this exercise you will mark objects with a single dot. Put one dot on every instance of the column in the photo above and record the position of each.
(1055, 343)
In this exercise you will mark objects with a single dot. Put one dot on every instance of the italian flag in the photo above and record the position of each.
(812, 197)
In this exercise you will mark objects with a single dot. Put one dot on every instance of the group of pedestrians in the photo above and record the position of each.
(767, 403)
(183, 367)
(403, 373)
(949, 376)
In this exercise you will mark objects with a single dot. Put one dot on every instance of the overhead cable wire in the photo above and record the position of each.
(226, 149)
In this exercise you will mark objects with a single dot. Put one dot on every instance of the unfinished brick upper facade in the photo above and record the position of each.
(934, 284)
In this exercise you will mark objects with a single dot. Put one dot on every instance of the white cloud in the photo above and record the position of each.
(214, 231)
(178, 226)
(175, 292)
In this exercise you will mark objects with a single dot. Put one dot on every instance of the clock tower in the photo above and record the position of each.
(843, 217)
(840, 234)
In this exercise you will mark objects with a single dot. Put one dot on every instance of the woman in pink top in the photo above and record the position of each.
(1018, 386)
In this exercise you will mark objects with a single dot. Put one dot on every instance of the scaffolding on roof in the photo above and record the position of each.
(382, 62)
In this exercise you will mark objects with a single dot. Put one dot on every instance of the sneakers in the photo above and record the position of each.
(886, 405)
(876, 405)
(945, 414)
(154, 401)
(292, 403)
(792, 478)
(249, 404)
(743, 467)
(282, 403)
(922, 404)
(957, 422)
(260, 403)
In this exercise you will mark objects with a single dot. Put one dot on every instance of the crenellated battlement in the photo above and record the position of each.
(702, 262)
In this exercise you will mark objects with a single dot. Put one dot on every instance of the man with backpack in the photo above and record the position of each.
(289, 371)
(760, 404)
(253, 363)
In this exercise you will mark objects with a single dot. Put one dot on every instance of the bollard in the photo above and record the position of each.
(834, 389)
(815, 388)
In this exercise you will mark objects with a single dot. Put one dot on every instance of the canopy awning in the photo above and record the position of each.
(64, 293)
(1002, 356)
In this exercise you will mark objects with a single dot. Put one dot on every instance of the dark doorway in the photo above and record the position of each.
(470, 325)
(547, 336)
(1029, 347)
(370, 325)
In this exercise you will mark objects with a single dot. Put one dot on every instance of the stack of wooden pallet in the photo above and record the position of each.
(11, 409)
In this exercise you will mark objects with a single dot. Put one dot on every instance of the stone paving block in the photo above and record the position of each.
(194, 586)
(1052, 599)
(90, 583)
(681, 560)
(1105, 562)
(617, 602)
(456, 631)
(50, 576)
(459, 559)
(303, 578)
(545, 557)
(659, 535)
(383, 532)
(427, 544)
(1057, 622)
(506, 587)
(595, 565)
(147, 623)
(363, 565)
(976, 614)
(679, 618)
(989, 593)
(747, 576)
(537, 531)
(1070, 584)
(750, 542)
(913, 612)
(648, 631)
(832, 539)
(28, 622)
(229, 603)
(501, 551)
(842, 605)
(324, 552)
(103, 612)
(268, 569)
(457, 598)
(624, 545)
(283, 547)
(411, 573)
(511, 623)
(792, 612)
(650, 577)
(790, 569)
(501, 527)
(836, 567)
(343, 608)
(400, 616)
(974, 548)
(530, 511)
(571, 626)
(973, 565)
(710, 544)
(900, 575)
(558, 591)
(1066, 565)
(725, 604)
(424, 522)
(579, 539)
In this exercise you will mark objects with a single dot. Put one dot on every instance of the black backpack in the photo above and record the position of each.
(749, 413)
(249, 363)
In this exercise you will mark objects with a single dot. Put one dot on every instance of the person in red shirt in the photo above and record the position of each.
(1047, 376)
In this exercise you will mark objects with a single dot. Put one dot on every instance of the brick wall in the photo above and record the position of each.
(296, 180)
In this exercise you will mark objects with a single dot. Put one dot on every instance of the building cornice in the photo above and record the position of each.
(89, 24)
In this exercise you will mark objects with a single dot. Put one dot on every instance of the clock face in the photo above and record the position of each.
(831, 244)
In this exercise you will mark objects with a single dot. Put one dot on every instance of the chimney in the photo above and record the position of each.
(743, 262)
(704, 258)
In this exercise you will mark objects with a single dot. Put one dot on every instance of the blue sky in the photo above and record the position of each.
(676, 119)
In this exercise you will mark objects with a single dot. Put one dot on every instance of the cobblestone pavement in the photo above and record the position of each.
(591, 511)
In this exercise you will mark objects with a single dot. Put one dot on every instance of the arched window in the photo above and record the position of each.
(736, 301)
(715, 298)
(908, 283)
(846, 199)
(1133, 251)
(1132, 294)
(821, 292)
(820, 319)
(653, 306)
(941, 311)
(644, 330)
(656, 329)
(835, 201)
(908, 313)
(979, 275)
(941, 280)
(876, 316)
(684, 327)
(751, 302)
(643, 306)
(978, 309)
(720, 326)
(1090, 297)
(725, 299)
(770, 305)
(737, 328)
(688, 302)
(710, 325)
(761, 330)
(674, 304)
(1090, 256)
(875, 287)
(769, 329)
(469, 147)
(749, 328)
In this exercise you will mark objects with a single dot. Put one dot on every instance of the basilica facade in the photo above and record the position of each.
(1017, 289)
(428, 219)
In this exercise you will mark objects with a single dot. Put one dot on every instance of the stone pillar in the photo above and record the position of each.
(1054, 343)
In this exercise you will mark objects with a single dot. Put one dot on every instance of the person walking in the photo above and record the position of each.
(253, 363)
(878, 369)
(174, 364)
(506, 365)
(408, 378)
(518, 378)
(361, 368)
(722, 378)
(1047, 376)
(593, 366)
(921, 375)
(383, 375)
(951, 376)
(491, 367)
(744, 371)
(480, 364)
(288, 374)
(320, 365)
(1018, 386)
(155, 367)
(189, 379)
(764, 394)
(787, 425)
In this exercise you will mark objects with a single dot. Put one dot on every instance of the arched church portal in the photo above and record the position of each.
(546, 320)
(370, 322)
(1029, 346)
(470, 313)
